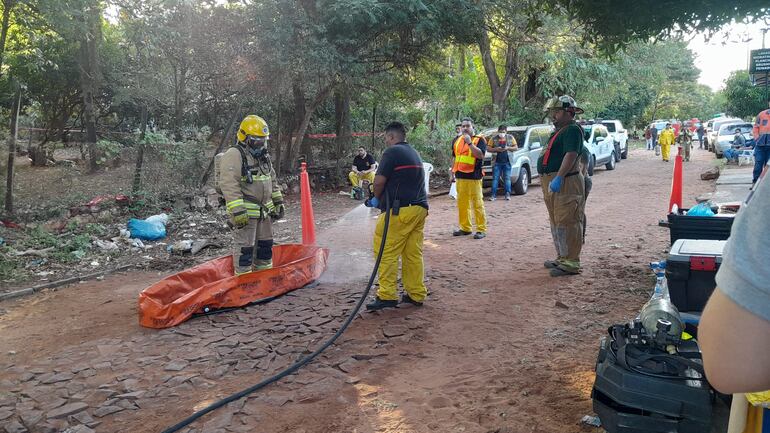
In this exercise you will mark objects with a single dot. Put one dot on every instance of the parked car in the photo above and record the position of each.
(530, 140)
(601, 145)
(711, 137)
(620, 135)
(726, 135)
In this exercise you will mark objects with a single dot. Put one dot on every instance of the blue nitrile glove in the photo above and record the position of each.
(372, 202)
(555, 184)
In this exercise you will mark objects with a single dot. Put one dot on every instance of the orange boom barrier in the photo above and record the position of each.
(212, 285)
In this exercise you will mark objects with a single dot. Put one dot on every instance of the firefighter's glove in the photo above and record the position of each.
(240, 220)
(555, 184)
(278, 212)
(372, 202)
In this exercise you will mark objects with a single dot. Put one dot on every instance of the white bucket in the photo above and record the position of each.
(427, 168)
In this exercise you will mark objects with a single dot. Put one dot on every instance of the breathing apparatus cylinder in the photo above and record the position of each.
(660, 307)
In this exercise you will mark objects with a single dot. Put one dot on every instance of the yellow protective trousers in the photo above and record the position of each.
(405, 236)
(566, 212)
(665, 150)
(470, 199)
(253, 246)
(356, 178)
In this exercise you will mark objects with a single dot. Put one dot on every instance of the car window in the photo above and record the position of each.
(601, 132)
(518, 136)
(542, 135)
(730, 128)
(610, 126)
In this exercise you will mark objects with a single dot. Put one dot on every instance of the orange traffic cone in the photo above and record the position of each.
(676, 183)
(308, 221)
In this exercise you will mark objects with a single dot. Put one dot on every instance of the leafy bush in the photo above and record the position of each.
(434, 145)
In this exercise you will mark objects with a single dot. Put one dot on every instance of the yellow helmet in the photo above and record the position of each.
(253, 126)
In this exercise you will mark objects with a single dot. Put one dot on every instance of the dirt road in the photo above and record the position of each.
(498, 347)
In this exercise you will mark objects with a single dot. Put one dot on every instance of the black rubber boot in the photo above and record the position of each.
(406, 299)
(379, 304)
(460, 233)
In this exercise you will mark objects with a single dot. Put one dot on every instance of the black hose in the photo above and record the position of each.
(299, 364)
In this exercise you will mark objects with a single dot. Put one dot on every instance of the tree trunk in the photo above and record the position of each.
(140, 154)
(226, 133)
(14, 131)
(501, 89)
(180, 85)
(309, 108)
(8, 6)
(342, 121)
(89, 79)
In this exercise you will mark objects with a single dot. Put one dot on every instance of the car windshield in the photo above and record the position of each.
(610, 126)
(730, 129)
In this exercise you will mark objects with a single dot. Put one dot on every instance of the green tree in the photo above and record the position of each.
(742, 99)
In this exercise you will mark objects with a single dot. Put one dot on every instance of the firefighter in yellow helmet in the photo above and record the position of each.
(252, 196)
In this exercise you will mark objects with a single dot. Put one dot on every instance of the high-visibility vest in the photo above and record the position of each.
(465, 162)
(762, 125)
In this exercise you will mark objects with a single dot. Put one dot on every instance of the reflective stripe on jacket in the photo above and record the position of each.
(465, 162)
(256, 198)
(761, 130)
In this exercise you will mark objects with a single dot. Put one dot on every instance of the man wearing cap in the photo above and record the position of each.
(564, 186)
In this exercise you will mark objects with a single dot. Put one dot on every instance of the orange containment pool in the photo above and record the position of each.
(176, 298)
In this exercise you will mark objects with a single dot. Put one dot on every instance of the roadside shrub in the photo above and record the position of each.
(434, 145)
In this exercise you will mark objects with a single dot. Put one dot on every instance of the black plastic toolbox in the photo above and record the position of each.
(691, 268)
(698, 227)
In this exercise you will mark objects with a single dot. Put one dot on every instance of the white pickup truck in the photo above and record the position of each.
(620, 135)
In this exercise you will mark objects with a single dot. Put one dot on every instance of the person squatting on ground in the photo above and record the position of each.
(564, 186)
(501, 144)
(468, 151)
(401, 175)
(685, 141)
(666, 140)
(364, 167)
(252, 196)
(738, 145)
(761, 132)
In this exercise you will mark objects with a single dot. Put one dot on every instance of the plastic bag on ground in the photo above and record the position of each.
(150, 229)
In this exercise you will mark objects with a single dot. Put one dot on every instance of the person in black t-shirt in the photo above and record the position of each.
(364, 167)
(402, 178)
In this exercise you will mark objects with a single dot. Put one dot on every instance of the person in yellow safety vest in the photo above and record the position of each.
(761, 133)
(252, 196)
(468, 151)
(666, 139)
(364, 167)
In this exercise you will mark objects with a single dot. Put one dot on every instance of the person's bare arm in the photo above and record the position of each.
(735, 345)
(379, 185)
